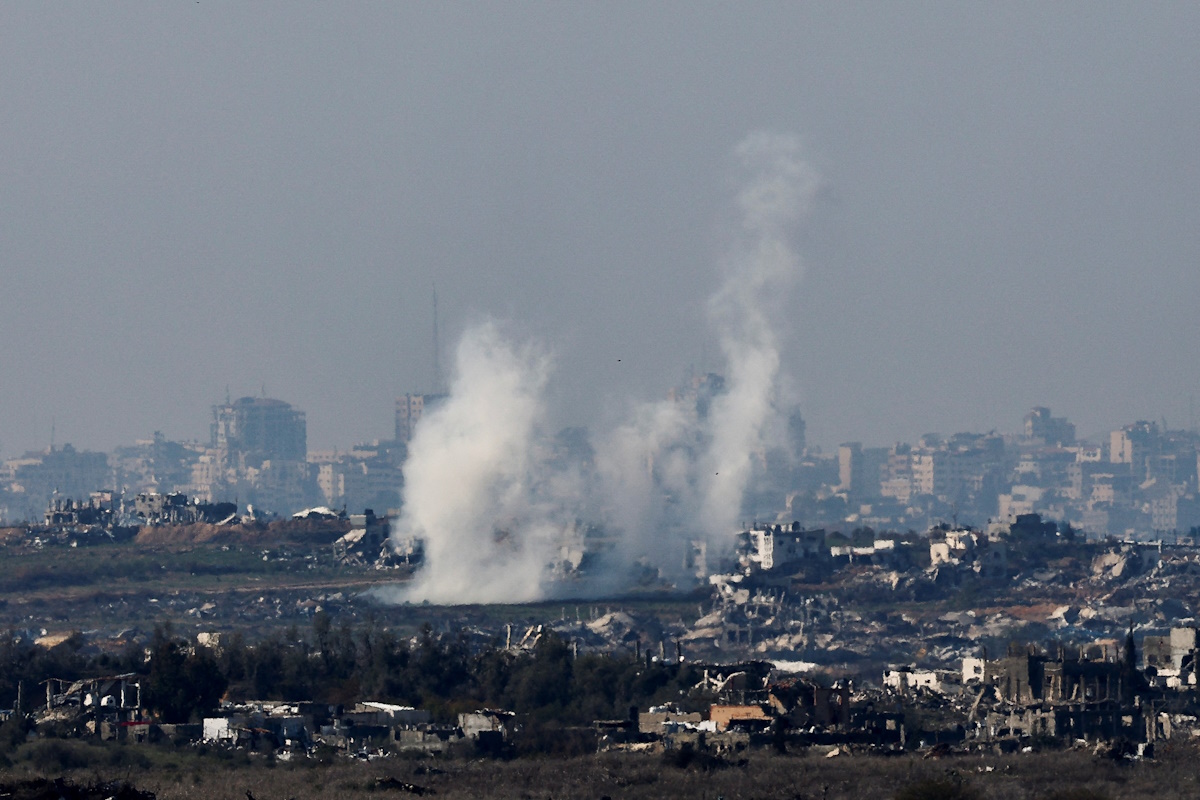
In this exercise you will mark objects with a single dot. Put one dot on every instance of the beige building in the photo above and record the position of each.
(773, 546)
(1134, 445)
(409, 409)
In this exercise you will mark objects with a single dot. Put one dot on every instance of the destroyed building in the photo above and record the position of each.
(1032, 676)
(96, 511)
(33, 480)
(74, 522)
(1066, 694)
(1172, 658)
(369, 543)
(152, 508)
(780, 549)
(103, 707)
(969, 549)
(805, 704)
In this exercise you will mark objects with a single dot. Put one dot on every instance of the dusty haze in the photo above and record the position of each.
(262, 196)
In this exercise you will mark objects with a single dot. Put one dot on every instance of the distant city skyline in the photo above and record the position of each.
(1139, 480)
(199, 432)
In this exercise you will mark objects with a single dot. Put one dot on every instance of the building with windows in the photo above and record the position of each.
(259, 455)
(409, 409)
(257, 429)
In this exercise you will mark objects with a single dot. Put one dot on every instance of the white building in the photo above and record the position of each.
(772, 546)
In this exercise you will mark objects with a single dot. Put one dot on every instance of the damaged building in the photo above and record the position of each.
(1172, 657)
(174, 508)
(968, 549)
(1068, 694)
(108, 707)
(780, 548)
(369, 543)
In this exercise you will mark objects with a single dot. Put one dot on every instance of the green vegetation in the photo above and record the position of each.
(442, 674)
(114, 565)
(182, 685)
(340, 665)
(937, 789)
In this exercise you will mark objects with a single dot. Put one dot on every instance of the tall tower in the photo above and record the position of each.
(410, 407)
(438, 383)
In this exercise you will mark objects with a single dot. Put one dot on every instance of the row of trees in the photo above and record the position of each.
(340, 665)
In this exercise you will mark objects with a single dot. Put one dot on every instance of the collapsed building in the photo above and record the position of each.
(1069, 694)
(369, 543)
(741, 704)
(779, 550)
(174, 508)
(96, 511)
(965, 548)
(108, 707)
(1172, 658)
(105, 516)
(82, 521)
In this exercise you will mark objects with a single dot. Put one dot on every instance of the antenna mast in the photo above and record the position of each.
(437, 360)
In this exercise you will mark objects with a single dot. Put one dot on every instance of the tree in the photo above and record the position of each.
(182, 683)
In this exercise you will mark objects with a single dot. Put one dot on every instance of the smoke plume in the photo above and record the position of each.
(747, 312)
(498, 504)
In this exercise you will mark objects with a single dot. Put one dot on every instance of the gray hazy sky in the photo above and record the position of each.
(195, 195)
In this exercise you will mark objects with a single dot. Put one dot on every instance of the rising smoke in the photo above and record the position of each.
(495, 501)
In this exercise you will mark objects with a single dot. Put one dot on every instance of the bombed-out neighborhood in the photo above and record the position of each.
(653, 401)
(998, 629)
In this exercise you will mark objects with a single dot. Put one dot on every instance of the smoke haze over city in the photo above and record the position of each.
(211, 195)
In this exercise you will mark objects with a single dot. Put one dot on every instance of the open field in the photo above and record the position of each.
(112, 586)
(253, 588)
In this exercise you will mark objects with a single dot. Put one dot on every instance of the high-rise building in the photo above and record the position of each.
(850, 467)
(897, 473)
(259, 456)
(796, 433)
(697, 395)
(251, 430)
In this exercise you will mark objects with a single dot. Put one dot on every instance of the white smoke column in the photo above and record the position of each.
(639, 465)
(746, 312)
(468, 486)
(670, 475)
(493, 506)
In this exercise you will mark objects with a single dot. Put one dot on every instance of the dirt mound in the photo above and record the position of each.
(11, 535)
(201, 533)
(312, 531)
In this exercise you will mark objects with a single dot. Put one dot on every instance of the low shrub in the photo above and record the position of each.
(937, 789)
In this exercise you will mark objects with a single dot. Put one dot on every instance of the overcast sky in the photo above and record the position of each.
(262, 196)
